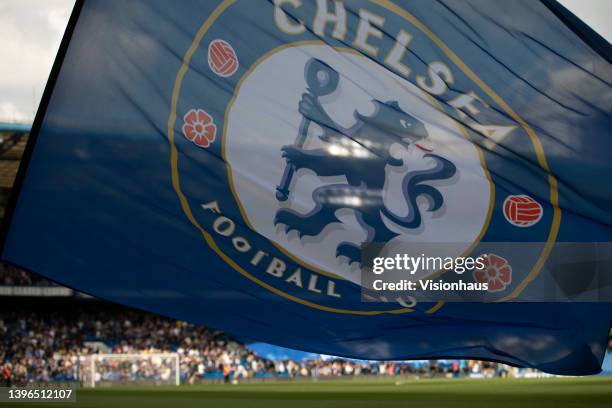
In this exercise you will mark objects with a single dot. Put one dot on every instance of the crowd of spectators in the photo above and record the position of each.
(37, 347)
(42, 345)
(11, 276)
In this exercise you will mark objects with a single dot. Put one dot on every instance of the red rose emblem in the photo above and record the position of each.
(496, 272)
(199, 127)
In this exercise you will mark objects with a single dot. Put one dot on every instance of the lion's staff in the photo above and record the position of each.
(321, 80)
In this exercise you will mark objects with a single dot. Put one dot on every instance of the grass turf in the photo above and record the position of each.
(376, 393)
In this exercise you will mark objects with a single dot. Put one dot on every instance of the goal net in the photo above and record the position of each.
(114, 369)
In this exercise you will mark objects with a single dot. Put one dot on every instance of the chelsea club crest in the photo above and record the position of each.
(302, 131)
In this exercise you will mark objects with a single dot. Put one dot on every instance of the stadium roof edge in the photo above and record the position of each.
(15, 127)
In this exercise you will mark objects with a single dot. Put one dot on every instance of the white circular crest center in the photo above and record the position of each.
(264, 117)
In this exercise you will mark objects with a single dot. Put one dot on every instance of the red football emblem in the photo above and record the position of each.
(222, 58)
(496, 272)
(522, 210)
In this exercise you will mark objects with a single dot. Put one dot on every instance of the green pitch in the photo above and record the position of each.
(377, 393)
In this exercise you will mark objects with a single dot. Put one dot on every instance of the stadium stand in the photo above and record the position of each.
(49, 340)
(13, 139)
(11, 276)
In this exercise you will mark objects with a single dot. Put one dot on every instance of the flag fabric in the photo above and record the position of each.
(224, 162)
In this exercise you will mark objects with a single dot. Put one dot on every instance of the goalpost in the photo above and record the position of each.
(144, 368)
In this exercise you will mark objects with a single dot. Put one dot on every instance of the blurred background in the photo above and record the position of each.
(50, 333)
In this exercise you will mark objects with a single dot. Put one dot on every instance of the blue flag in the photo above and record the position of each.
(229, 162)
